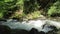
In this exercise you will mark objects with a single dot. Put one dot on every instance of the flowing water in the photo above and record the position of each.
(40, 25)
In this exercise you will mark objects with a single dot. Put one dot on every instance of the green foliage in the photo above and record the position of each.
(1, 15)
(20, 3)
(5, 5)
(30, 6)
(54, 9)
(16, 15)
(8, 0)
(33, 15)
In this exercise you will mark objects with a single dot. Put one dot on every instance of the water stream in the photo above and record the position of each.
(28, 25)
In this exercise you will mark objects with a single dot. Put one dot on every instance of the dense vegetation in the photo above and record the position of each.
(28, 9)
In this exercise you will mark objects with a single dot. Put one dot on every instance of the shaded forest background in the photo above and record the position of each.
(29, 9)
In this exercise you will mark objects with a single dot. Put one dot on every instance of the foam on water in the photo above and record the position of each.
(28, 25)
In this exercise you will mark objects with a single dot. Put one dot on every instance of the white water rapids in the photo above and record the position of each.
(28, 25)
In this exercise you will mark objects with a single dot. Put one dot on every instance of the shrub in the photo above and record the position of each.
(9, 5)
(54, 9)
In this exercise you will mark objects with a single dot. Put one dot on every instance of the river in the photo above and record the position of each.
(40, 25)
